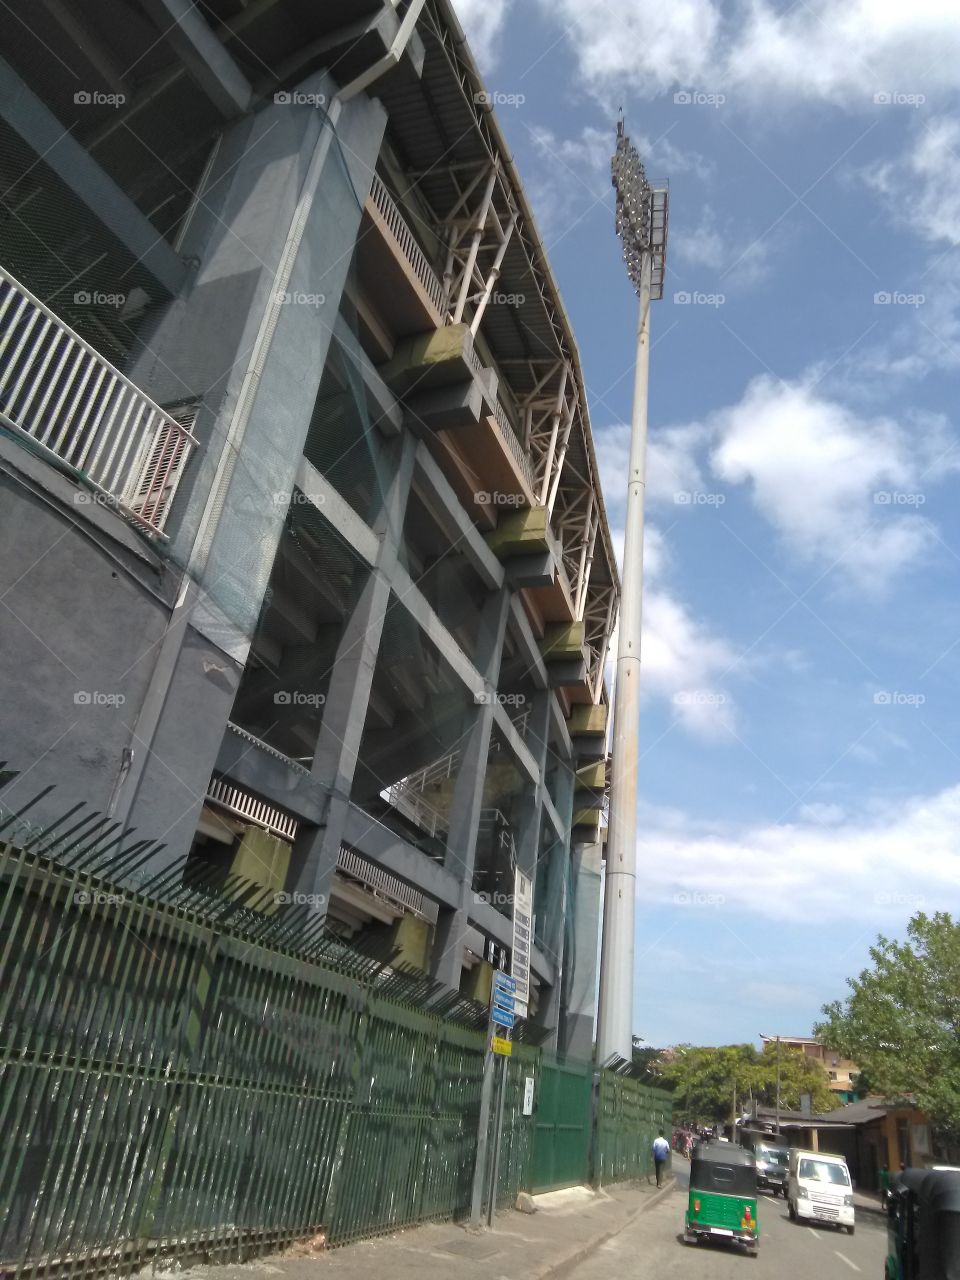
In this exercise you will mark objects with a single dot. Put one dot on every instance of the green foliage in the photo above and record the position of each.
(703, 1080)
(901, 1021)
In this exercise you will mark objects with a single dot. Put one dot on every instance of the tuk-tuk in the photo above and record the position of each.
(723, 1196)
(923, 1225)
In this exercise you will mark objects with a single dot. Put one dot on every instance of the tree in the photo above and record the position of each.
(901, 1022)
(799, 1074)
(703, 1080)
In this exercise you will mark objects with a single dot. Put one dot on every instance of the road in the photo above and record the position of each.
(653, 1246)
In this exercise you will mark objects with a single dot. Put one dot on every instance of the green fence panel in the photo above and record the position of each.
(186, 1074)
(630, 1115)
(561, 1156)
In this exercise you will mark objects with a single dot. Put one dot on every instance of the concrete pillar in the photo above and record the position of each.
(579, 982)
(228, 517)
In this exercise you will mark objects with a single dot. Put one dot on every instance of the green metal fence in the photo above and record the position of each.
(563, 1124)
(629, 1116)
(183, 1073)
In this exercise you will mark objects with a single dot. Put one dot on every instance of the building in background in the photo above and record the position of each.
(842, 1074)
(306, 566)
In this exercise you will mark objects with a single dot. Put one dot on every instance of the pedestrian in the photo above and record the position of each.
(661, 1150)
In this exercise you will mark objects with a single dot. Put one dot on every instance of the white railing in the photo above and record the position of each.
(512, 440)
(74, 405)
(409, 246)
(380, 881)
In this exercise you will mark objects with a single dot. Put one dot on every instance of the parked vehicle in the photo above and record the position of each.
(923, 1225)
(722, 1204)
(773, 1161)
(819, 1189)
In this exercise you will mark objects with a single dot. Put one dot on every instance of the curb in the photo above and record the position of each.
(556, 1270)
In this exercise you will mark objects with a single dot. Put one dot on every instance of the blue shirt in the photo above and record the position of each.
(661, 1148)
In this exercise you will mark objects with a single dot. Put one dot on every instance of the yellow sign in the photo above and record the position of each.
(499, 1045)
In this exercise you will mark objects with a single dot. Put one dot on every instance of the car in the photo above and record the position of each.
(820, 1189)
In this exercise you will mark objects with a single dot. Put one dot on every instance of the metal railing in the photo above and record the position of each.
(512, 441)
(406, 795)
(78, 409)
(387, 208)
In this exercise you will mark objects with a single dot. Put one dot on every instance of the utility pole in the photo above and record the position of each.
(778, 1086)
(641, 221)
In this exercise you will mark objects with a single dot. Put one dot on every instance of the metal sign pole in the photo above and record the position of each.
(498, 1135)
(480, 1168)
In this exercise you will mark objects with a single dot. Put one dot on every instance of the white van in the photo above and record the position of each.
(819, 1188)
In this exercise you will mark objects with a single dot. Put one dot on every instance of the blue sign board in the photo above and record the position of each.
(502, 1017)
(503, 980)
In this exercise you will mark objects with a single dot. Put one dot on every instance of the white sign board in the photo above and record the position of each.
(528, 1096)
(522, 940)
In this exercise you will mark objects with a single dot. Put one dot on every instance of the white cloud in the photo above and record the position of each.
(713, 245)
(874, 870)
(819, 50)
(483, 22)
(840, 489)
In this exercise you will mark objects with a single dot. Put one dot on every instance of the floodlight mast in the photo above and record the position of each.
(641, 222)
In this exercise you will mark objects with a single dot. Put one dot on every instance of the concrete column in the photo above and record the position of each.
(252, 217)
(447, 957)
(345, 711)
(579, 982)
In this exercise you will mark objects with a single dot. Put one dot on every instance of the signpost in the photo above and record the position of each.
(500, 1023)
(522, 940)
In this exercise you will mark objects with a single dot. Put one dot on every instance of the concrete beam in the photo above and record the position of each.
(386, 848)
(337, 511)
(259, 770)
(532, 571)
(23, 111)
(532, 656)
(456, 524)
(387, 413)
(209, 65)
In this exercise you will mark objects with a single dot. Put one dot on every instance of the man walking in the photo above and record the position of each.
(661, 1150)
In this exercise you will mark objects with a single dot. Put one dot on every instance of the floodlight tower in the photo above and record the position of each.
(641, 220)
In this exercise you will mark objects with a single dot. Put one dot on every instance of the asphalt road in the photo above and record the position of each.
(653, 1246)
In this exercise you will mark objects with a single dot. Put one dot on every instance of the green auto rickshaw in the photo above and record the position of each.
(723, 1196)
(923, 1225)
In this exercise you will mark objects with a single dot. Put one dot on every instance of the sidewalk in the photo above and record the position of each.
(868, 1202)
(567, 1228)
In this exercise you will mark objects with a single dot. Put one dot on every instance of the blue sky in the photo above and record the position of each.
(800, 738)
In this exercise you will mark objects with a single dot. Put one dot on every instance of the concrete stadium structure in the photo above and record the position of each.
(306, 568)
